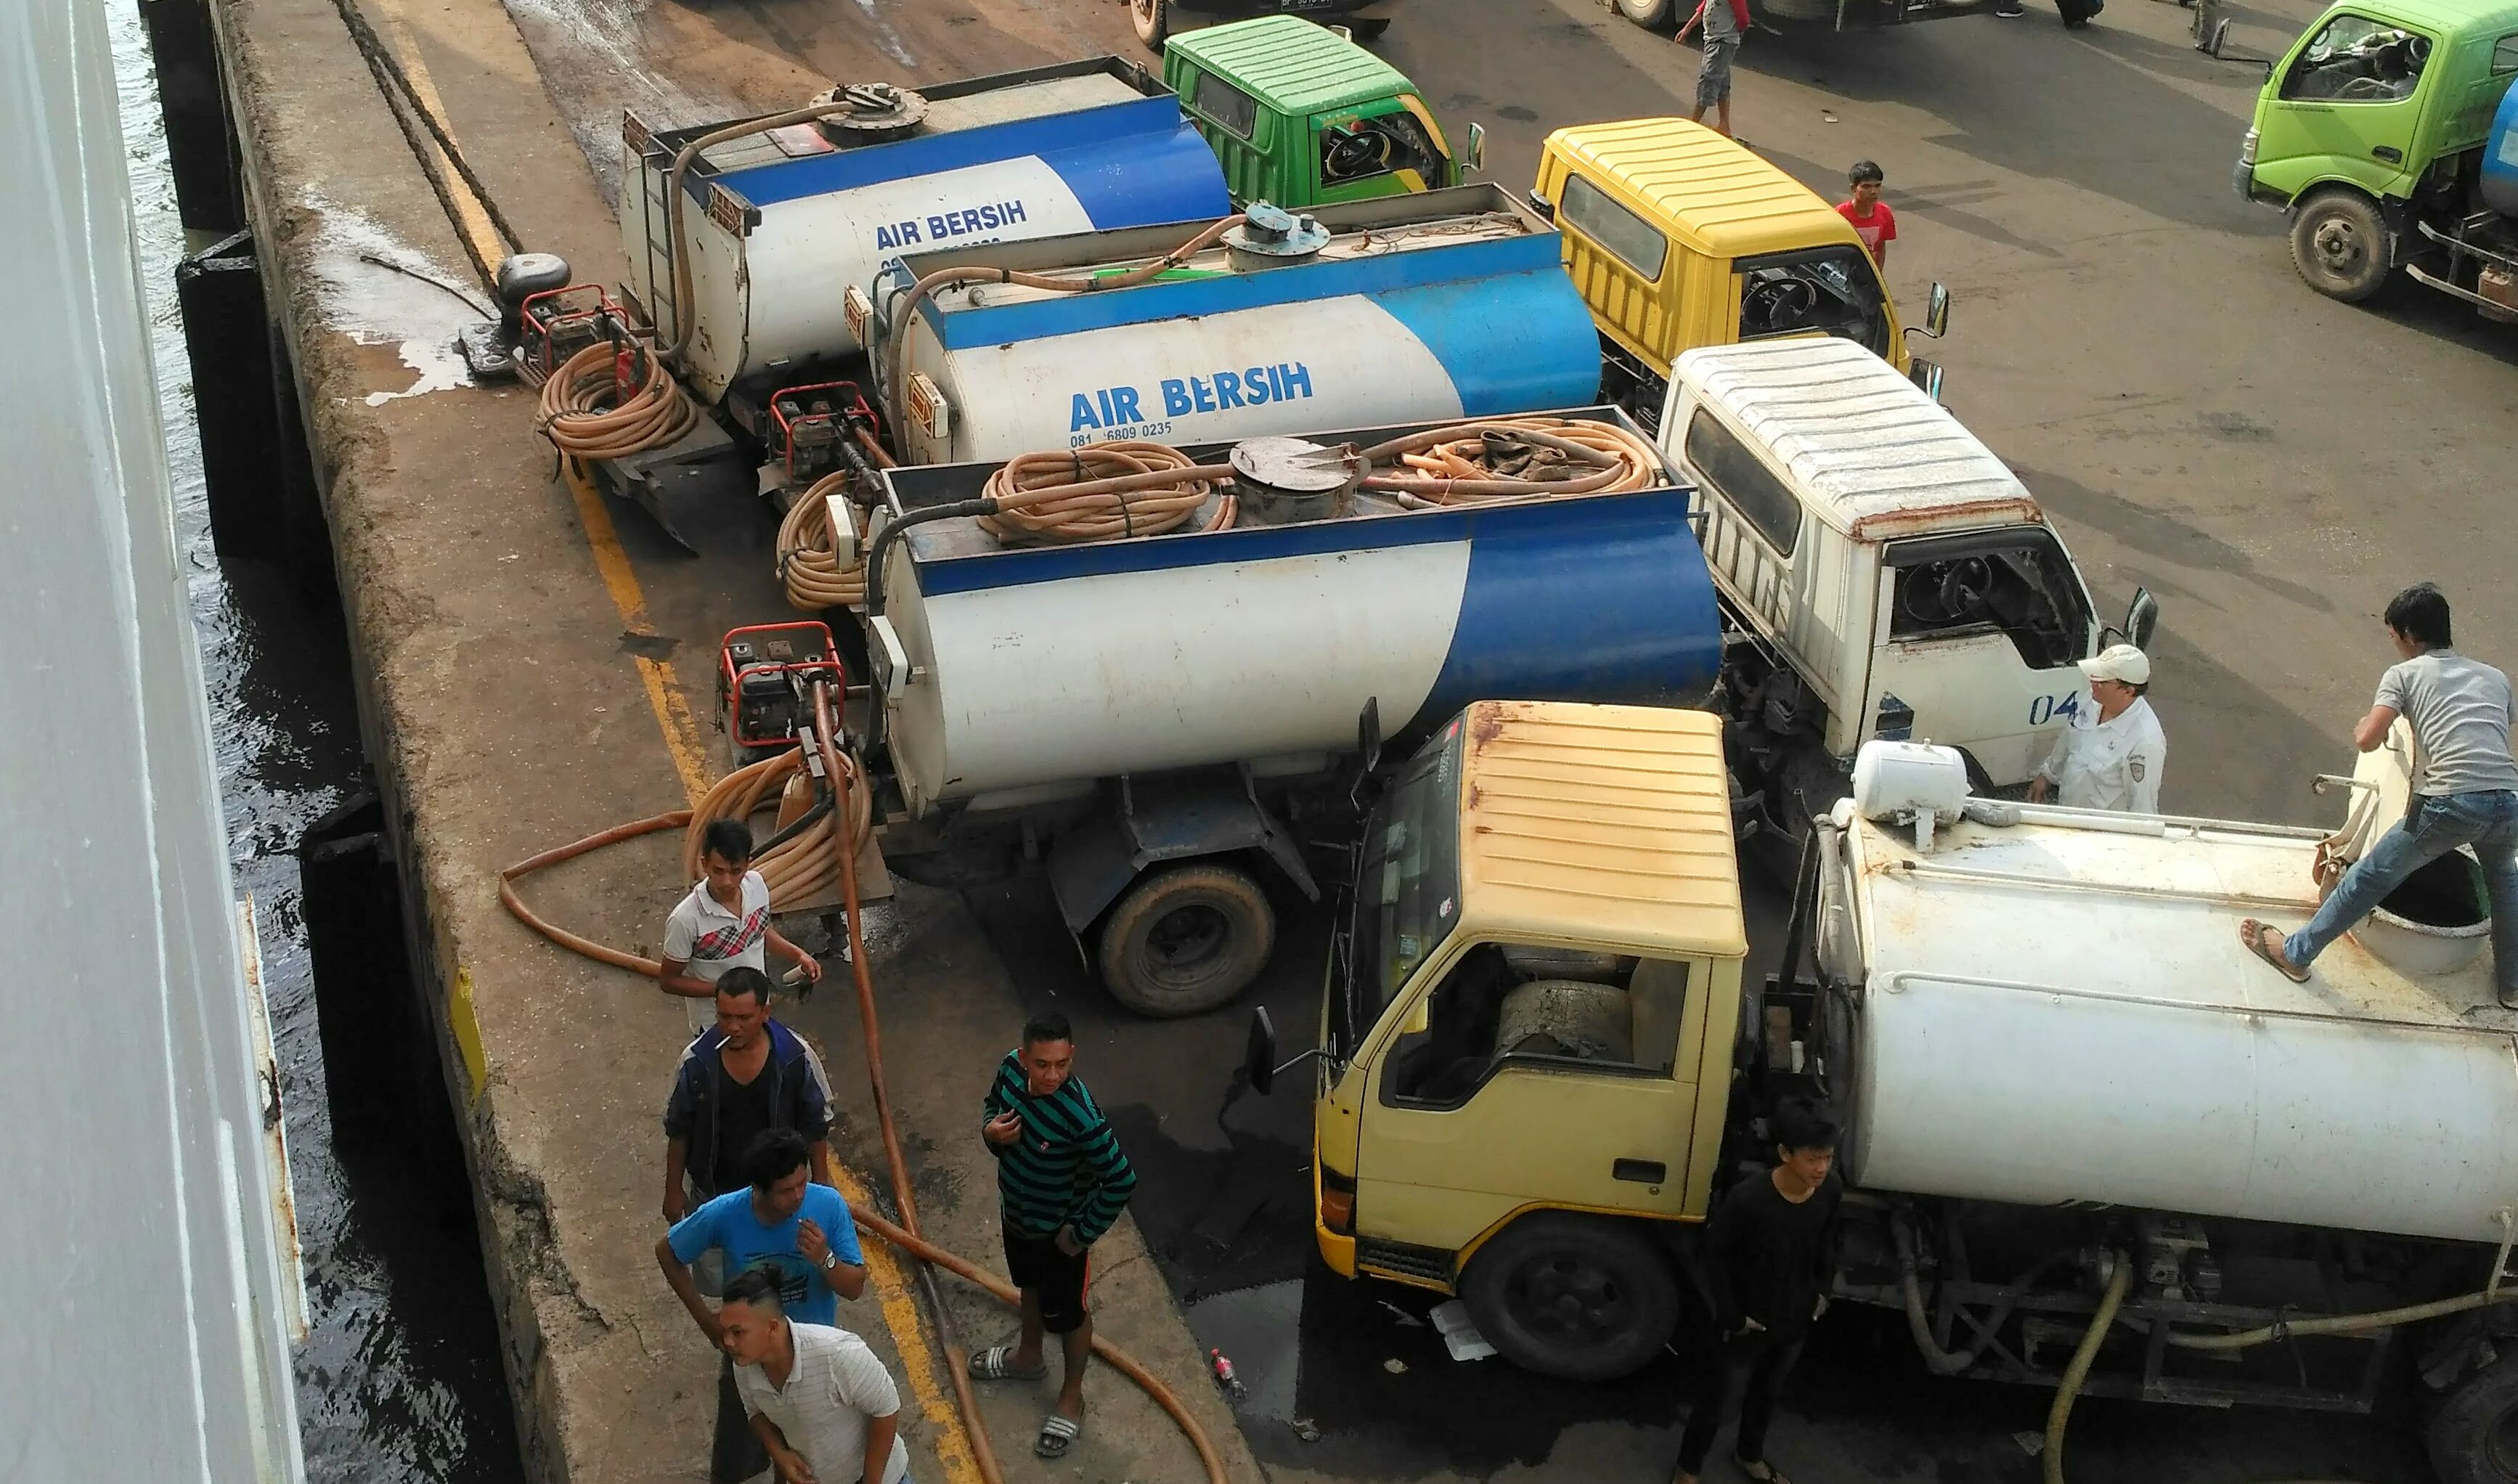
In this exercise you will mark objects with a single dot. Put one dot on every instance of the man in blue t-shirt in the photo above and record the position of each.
(787, 1226)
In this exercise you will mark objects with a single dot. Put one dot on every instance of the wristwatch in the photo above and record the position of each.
(830, 1261)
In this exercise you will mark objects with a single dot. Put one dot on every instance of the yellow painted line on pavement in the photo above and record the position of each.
(475, 224)
(664, 692)
(681, 735)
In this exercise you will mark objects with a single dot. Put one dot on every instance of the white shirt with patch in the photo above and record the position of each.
(833, 1388)
(2112, 765)
(704, 934)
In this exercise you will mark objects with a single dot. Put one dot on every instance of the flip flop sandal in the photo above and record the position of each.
(1058, 1433)
(993, 1364)
(1761, 1472)
(2253, 933)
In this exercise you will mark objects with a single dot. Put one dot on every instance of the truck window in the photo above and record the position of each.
(1406, 886)
(2352, 59)
(1353, 150)
(2017, 582)
(1735, 474)
(1826, 290)
(1619, 232)
(2504, 56)
(1229, 106)
(1509, 1002)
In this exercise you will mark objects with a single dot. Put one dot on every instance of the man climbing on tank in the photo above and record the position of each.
(2465, 791)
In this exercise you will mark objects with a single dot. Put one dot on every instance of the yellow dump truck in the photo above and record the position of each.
(1680, 237)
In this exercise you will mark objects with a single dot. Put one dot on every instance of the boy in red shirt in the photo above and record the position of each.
(1872, 220)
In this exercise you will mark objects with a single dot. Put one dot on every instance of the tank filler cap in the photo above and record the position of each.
(875, 112)
(1272, 236)
(1283, 480)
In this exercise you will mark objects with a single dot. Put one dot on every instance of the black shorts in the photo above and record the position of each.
(1057, 1280)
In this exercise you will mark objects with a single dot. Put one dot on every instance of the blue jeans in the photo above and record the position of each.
(2487, 822)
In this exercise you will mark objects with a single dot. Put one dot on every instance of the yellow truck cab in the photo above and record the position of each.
(1680, 237)
(1546, 933)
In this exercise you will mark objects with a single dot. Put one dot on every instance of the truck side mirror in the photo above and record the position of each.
(1368, 752)
(1937, 311)
(1928, 375)
(1259, 1057)
(2142, 619)
(1476, 159)
(2212, 28)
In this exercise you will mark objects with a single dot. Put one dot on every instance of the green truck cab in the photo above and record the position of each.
(1302, 116)
(2370, 131)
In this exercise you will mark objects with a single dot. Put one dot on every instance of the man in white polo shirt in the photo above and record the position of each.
(824, 1406)
(2111, 755)
(724, 921)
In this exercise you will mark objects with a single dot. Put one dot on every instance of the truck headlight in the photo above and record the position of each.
(2247, 146)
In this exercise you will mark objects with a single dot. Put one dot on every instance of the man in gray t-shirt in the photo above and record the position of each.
(2465, 791)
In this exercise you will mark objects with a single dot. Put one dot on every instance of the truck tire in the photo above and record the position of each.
(2340, 245)
(1186, 941)
(1579, 1297)
(1651, 15)
(2473, 1436)
(1153, 19)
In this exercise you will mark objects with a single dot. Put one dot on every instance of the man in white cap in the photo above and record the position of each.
(2112, 756)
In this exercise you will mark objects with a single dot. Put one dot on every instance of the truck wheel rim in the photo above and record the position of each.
(1185, 940)
(2500, 1443)
(2338, 246)
(1568, 1298)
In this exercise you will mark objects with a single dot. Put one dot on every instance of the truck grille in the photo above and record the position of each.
(1404, 1259)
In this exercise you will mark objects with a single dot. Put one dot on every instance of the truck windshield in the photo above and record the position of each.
(1829, 291)
(1360, 149)
(2356, 59)
(1406, 886)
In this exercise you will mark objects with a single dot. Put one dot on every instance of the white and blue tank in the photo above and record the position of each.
(781, 225)
(1431, 305)
(1021, 674)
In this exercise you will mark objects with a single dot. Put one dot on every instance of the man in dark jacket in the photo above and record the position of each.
(1769, 1258)
(740, 1076)
(738, 1079)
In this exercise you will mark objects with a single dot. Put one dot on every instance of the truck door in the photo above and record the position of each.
(1515, 1057)
(1975, 645)
(2347, 106)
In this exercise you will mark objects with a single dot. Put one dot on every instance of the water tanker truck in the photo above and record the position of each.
(777, 221)
(2090, 1140)
(1163, 721)
(1434, 304)
(2389, 134)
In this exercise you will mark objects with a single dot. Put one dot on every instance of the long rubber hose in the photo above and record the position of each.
(845, 773)
(808, 563)
(2078, 1371)
(584, 412)
(1102, 491)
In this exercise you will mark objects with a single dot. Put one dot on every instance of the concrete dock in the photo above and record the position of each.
(535, 666)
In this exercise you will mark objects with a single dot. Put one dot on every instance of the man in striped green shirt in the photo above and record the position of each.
(1062, 1181)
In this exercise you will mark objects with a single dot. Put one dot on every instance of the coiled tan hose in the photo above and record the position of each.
(585, 415)
(1102, 491)
(794, 867)
(808, 563)
(1458, 465)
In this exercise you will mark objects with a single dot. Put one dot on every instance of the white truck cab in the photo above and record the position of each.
(1886, 576)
